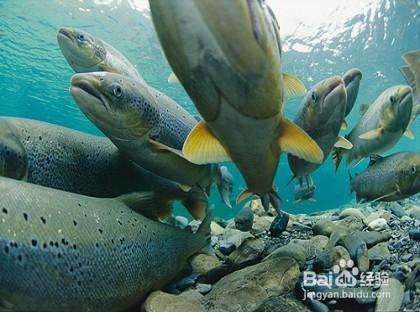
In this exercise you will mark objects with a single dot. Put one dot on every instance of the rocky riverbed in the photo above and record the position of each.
(350, 259)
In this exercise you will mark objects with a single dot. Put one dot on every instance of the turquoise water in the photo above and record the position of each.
(320, 39)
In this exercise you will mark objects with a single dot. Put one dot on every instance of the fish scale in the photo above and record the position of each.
(65, 251)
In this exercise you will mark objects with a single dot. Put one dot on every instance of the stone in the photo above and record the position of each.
(159, 301)
(373, 237)
(282, 304)
(390, 296)
(226, 247)
(323, 227)
(316, 245)
(318, 306)
(406, 219)
(407, 257)
(279, 225)
(181, 222)
(202, 263)
(373, 216)
(396, 209)
(414, 212)
(292, 250)
(350, 223)
(330, 257)
(248, 253)
(203, 288)
(216, 229)
(378, 225)
(244, 219)
(351, 212)
(245, 289)
(259, 210)
(378, 252)
(261, 224)
(235, 236)
(414, 234)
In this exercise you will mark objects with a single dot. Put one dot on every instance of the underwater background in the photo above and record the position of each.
(320, 39)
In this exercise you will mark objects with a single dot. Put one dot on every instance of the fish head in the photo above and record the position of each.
(398, 105)
(352, 82)
(13, 156)
(325, 101)
(81, 50)
(223, 50)
(120, 107)
(409, 174)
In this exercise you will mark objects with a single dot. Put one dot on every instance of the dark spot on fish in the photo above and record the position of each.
(19, 257)
(79, 283)
(96, 245)
(40, 138)
(6, 249)
(51, 243)
(25, 216)
(4, 210)
(13, 244)
(56, 244)
(34, 242)
(59, 255)
(80, 264)
(43, 220)
(44, 245)
(74, 222)
(119, 222)
(71, 269)
(74, 246)
(100, 231)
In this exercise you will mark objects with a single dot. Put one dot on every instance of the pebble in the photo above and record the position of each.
(415, 234)
(248, 253)
(396, 209)
(279, 224)
(203, 288)
(216, 229)
(351, 212)
(292, 250)
(323, 227)
(158, 301)
(407, 257)
(226, 247)
(378, 252)
(244, 219)
(414, 213)
(378, 225)
(406, 219)
(181, 222)
(318, 306)
(390, 297)
(261, 224)
(202, 263)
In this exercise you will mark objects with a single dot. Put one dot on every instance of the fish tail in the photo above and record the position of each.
(203, 234)
(337, 156)
(196, 202)
(224, 184)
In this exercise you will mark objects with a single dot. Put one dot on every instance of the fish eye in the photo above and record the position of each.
(314, 96)
(393, 99)
(80, 37)
(118, 91)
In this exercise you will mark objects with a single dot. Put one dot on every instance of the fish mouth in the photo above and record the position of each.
(84, 88)
(65, 33)
(351, 75)
(333, 85)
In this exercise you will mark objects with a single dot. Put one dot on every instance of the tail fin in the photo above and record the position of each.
(204, 233)
(149, 204)
(224, 184)
(337, 156)
(196, 202)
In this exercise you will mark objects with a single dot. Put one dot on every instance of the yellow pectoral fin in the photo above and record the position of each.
(372, 134)
(295, 141)
(202, 147)
(173, 78)
(344, 125)
(409, 134)
(244, 195)
(293, 86)
(343, 143)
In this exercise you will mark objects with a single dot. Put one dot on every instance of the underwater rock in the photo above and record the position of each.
(378, 225)
(318, 306)
(376, 215)
(316, 245)
(415, 234)
(259, 210)
(226, 247)
(261, 224)
(396, 209)
(378, 252)
(414, 212)
(245, 289)
(292, 250)
(216, 229)
(248, 253)
(202, 263)
(373, 237)
(281, 304)
(279, 224)
(234, 236)
(158, 301)
(406, 257)
(323, 227)
(244, 219)
(350, 223)
(203, 288)
(393, 301)
(329, 258)
(354, 212)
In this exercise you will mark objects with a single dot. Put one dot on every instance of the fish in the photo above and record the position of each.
(304, 191)
(65, 159)
(380, 127)
(412, 75)
(389, 178)
(86, 53)
(352, 80)
(232, 72)
(61, 251)
(320, 115)
(140, 126)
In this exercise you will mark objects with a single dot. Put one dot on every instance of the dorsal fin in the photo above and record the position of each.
(373, 158)
(409, 76)
(363, 109)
